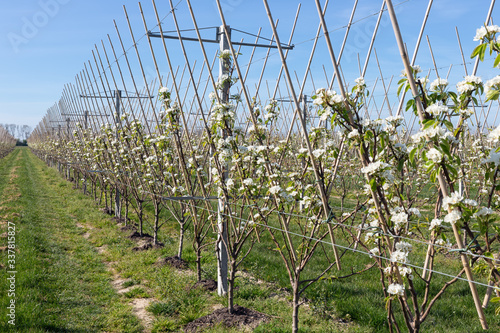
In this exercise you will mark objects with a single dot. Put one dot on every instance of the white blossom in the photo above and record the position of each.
(405, 271)
(399, 218)
(435, 224)
(494, 83)
(360, 85)
(434, 155)
(453, 216)
(466, 113)
(415, 69)
(467, 85)
(484, 211)
(493, 158)
(375, 251)
(360, 81)
(275, 189)
(454, 199)
(374, 167)
(436, 109)
(399, 256)
(441, 242)
(483, 31)
(353, 134)
(494, 135)
(434, 132)
(404, 246)
(318, 153)
(470, 202)
(438, 85)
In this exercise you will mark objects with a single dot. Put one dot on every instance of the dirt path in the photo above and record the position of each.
(139, 305)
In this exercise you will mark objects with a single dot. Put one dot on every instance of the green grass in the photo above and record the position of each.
(61, 285)
(136, 292)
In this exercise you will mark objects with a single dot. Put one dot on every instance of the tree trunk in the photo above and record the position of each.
(198, 261)
(230, 286)
(295, 306)
(139, 203)
(157, 219)
(105, 198)
(181, 237)
(126, 211)
(118, 203)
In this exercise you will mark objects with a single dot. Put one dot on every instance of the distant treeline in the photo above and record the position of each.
(20, 132)
(21, 143)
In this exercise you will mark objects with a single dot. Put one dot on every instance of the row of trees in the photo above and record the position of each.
(296, 189)
(7, 142)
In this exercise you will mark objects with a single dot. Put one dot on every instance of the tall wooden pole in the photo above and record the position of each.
(441, 180)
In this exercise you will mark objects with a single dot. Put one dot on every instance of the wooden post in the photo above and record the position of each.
(441, 180)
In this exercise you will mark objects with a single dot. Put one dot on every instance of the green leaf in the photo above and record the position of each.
(401, 163)
(452, 95)
(495, 300)
(382, 142)
(429, 166)
(409, 104)
(445, 146)
(412, 155)
(428, 123)
(482, 52)
(492, 95)
(453, 172)
(488, 254)
(401, 85)
(476, 51)
(448, 125)
(497, 61)
(368, 135)
(433, 176)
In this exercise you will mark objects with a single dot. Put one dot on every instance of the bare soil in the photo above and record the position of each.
(240, 318)
(208, 285)
(137, 235)
(174, 262)
(107, 211)
(128, 228)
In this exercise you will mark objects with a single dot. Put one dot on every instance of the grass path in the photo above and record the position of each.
(61, 284)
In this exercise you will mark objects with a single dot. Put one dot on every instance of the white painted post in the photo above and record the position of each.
(86, 115)
(118, 96)
(222, 257)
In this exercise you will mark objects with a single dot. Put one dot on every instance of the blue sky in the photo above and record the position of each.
(45, 43)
